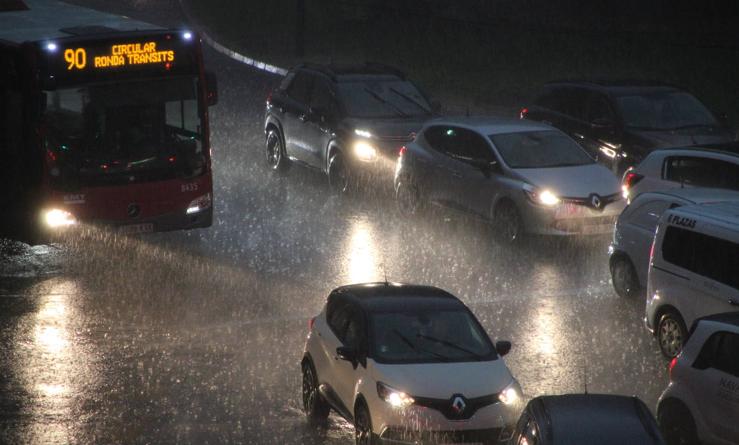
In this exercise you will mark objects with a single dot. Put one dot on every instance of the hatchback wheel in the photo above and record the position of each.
(276, 159)
(677, 424)
(314, 406)
(363, 426)
(338, 174)
(623, 276)
(671, 333)
(507, 223)
(407, 197)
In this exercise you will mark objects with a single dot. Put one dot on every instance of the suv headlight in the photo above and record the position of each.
(541, 196)
(364, 151)
(396, 398)
(511, 394)
(199, 204)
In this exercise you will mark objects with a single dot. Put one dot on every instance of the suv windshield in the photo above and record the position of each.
(382, 98)
(539, 149)
(124, 132)
(429, 337)
(664, 111)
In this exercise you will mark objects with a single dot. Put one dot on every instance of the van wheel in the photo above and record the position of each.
(671, 333)
(316, 409)
(677, 424)
(623, 277)
(363, 426)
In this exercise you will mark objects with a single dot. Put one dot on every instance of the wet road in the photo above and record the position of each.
(196, 337)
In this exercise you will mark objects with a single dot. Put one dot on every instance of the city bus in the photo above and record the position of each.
(103, 121)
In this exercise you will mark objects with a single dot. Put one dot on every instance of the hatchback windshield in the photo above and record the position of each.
(664, 111)
(382, 98)
(539, 149)
(124, 132)
(428, 337)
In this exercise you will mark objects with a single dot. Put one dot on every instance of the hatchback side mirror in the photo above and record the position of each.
(502, 347)
(346, 353)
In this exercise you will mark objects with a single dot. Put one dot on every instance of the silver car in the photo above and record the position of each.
(525, 177)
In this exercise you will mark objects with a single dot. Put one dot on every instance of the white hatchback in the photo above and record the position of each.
(408, 364)
(701, 403)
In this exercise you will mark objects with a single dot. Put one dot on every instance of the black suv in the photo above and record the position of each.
(619, 123)
(347, 121)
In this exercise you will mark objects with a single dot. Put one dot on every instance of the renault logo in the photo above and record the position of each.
(595, 201)
(458, 405)
(133, 210)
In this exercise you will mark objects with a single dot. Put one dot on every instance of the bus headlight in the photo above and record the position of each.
(199, 204)
(364, 151)
(59, 218)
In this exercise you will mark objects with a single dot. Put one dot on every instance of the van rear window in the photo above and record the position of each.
(711, 257)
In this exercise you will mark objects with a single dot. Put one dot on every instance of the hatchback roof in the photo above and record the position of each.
(696, 195)
(488, 125)
(382, 296)
(725, 213)
(598, 418)
(731, 318)
(619, 85)
(719, 149)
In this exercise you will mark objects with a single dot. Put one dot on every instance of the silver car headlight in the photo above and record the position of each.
(511, 394)
(364, 151)
(541, 196)
(397, 399)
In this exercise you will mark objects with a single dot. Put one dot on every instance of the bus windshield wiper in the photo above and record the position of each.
(383, 101)
(451, 345)
(417, 349)
(410, 99)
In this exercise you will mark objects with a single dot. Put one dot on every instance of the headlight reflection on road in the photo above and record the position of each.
(362, 253)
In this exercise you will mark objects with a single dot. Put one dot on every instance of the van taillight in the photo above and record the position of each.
(673, 362)
(523, 113)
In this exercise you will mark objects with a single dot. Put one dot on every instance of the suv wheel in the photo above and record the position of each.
(313, 404)
(677, 424)
(276, 159)
(363, 426)
(623, 277)
(507, 223)
(407, 197)
(338, 174)
(671, 333)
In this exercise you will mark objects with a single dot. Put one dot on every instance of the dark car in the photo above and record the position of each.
(586, 419)
(619, 123)
(347, 121)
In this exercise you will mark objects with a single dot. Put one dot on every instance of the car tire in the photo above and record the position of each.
(275, 151)
(363, 426)
(507, 223)
(624, 278)
(339, 178)
(671, 333)
(677, 424)
(315, 407)
(407, 197)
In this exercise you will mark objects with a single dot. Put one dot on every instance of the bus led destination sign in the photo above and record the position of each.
(120, 55)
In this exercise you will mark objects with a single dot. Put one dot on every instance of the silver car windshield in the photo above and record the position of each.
(429, 337)
(539, 149)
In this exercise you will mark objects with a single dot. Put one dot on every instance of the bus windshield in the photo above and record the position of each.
(111, 133)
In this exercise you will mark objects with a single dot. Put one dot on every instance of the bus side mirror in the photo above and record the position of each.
(211, 88)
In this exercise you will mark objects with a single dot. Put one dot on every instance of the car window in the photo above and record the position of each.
(539, 149)
(566, 100)
(287, 80)
(708, 256)
(322, 98)
(720, 352)
(338, 319)
(600, 109)
(382, 97)
(354, 337)
(701, 172)
(664, 111)
(647, 215)
(466, 144)
(299, 89)
(435, 138)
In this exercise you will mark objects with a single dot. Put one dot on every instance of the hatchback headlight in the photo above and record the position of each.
(397, 399)
(511, 394)
(541, 196)
(364, 151)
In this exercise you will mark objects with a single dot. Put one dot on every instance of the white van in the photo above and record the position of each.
(693, 271)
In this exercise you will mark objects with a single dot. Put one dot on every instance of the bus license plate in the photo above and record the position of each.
(136, 228)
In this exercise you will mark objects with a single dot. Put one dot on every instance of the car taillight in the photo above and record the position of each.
(269, 97)
(523, 113)
(651, 251)
(402, 151)
(673, 362)
(629, 181)
(311, 322)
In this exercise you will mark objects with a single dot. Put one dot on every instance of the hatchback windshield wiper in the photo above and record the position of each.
(383, 101)
(416, 348)
(452, 345)
(410, 99)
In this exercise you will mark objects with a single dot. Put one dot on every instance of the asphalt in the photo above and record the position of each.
(196, 337)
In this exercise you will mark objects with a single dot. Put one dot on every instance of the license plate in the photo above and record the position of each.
(136, 228)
